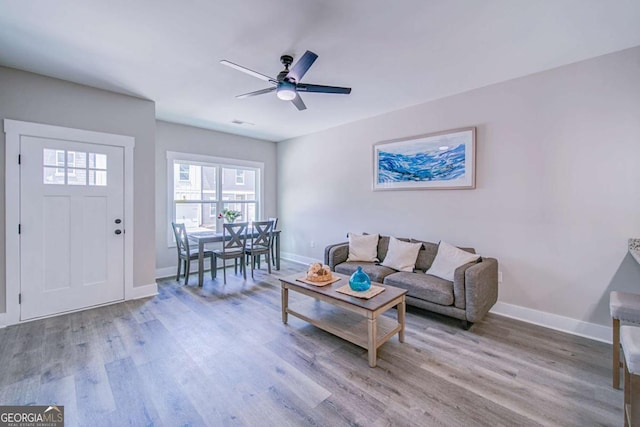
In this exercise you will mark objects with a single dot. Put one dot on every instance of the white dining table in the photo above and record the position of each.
(204, 237)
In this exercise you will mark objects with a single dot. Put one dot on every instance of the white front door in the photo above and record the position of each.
(71, 225)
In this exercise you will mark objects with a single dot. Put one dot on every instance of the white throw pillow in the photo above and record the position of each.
(363, 248)
(401, 255)
(448, 259)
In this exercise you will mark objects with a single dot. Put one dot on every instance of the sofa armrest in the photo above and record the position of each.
(481, 288)
(336, 254)
(459, 275)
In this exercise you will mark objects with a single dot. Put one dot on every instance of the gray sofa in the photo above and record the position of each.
(469, 297)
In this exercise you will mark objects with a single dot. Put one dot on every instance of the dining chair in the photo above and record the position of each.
(273, 254)
(261, 243)
(234, 244)
(272, 245)
(185, 253)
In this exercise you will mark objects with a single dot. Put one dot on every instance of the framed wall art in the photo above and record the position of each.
(442, 160)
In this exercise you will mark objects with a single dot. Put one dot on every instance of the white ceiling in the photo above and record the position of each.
(392, 53)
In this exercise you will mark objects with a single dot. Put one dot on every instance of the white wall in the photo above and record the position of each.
(558, 184)
(35, 98)
(187, 139)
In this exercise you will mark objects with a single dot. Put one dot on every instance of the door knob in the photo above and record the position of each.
(118, 231)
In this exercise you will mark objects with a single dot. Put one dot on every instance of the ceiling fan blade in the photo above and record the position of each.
(302, 66)
(257, 92)
(303, 87)
(297, 101)
(248, 71)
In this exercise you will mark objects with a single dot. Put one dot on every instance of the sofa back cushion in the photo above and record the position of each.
(401, 255)
(428, 253)
(448, 259)
(383, 246)
(363, 247)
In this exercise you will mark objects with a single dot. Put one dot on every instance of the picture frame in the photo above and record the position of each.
(435, 161)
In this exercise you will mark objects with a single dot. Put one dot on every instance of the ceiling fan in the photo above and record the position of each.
(287, 84)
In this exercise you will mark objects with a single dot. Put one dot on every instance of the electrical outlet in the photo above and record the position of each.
(499, 276)
(312, 244)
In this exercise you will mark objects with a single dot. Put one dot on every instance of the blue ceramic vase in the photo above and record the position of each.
(359, 281)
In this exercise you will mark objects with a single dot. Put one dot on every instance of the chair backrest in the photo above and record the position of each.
(182, 241)
(263, 238)
(237, 236)
(275, 223)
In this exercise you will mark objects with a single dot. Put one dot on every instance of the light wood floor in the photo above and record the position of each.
(220, 355)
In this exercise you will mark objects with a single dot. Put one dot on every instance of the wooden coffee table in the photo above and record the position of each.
(350, 318)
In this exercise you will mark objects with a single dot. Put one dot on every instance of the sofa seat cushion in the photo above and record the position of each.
(376, 273)
(423, 286)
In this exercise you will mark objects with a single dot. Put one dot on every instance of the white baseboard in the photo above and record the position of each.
(143, 291)
(298, 259)
(3, 320)
(162, 273)
(553, 321)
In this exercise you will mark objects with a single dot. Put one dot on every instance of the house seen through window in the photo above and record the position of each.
(201, 191)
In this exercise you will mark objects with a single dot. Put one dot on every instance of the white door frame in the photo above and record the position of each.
(14, 130)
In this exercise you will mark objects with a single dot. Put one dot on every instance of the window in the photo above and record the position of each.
(184, 172)
(60, 162)
(74, 167)
(201, 187)
(212, 209)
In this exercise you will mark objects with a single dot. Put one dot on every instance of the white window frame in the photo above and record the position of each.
(220, 163)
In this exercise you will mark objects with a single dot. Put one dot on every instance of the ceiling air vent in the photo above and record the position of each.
(240, 122)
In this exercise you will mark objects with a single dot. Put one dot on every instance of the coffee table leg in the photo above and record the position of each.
(285, 303)
(373, 332)
(402, 308)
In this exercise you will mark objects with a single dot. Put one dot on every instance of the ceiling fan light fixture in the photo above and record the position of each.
(286, 91)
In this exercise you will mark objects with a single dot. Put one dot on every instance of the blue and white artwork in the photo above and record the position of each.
(443, 160)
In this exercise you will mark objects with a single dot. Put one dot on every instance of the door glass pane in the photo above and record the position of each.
(98, 178)
(97, 161)
(60, 161)
(76, 176)
(49, 157)
(51, 176)
(76, 159)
